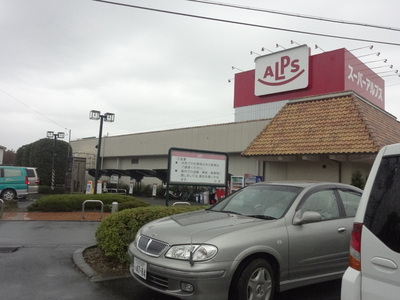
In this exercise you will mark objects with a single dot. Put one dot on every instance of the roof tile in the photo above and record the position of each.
(345, 124)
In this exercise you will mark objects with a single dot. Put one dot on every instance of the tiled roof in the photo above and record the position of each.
(340, 125)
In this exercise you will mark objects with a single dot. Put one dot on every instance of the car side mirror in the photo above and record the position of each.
(306, 217)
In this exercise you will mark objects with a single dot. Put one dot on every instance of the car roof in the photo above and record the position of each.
(13, 167)
(304, 184)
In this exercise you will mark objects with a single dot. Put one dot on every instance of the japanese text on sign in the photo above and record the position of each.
(365, 83)
(188, 167)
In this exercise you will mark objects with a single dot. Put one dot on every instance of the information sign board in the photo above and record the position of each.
(195, 167)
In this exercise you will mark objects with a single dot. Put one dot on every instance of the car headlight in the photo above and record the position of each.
(137, 236)
(199, 252)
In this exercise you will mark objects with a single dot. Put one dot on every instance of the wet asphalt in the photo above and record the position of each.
(37, 262)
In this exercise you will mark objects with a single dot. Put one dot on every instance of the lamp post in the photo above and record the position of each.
(107, 117)
(51, 135)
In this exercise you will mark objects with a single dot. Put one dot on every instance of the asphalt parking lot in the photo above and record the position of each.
(36, 262)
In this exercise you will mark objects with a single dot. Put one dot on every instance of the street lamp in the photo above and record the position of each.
(51, 135)
(107, 117)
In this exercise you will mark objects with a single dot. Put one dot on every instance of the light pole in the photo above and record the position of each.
(50, 135)
(108, 117)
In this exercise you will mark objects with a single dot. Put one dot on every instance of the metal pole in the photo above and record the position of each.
(167, 196)
(96, 175)
(53, 172)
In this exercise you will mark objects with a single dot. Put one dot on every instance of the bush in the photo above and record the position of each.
(117, 231)
(45, 189)
(73, 202)
(160, 191)
(358, 180)
(146, 190)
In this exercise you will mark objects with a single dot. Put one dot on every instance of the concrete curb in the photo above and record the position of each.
(93, 276)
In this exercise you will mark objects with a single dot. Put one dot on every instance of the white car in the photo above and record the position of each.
(34, 181)
(375, 245)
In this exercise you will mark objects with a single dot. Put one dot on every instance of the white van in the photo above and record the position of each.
(374, 271)
(34, 181)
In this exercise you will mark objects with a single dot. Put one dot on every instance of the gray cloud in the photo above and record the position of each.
(61, 59)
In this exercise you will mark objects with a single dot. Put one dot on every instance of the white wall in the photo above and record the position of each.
(1, 155)
(320, 170)
(150, 151)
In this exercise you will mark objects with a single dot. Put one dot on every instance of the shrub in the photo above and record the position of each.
(160, 191)
(45, 189)
(73, 202)
(146, 190)
(358, 180)
(117, 231)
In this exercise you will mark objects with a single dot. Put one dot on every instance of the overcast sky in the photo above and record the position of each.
(59, 59)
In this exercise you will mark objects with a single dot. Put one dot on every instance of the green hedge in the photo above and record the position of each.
(117, 231)
(73, 202)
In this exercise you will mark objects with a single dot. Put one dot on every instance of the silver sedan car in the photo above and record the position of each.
(265, 238)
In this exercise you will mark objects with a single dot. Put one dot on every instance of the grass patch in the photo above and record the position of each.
(10, 205)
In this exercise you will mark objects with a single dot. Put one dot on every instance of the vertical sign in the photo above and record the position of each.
(154, 191)
(364, 81)
(193, 167)
(131, 185)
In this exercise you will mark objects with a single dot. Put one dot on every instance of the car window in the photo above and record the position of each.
(264, 200)
(323, 202)
(350, 200)
(12, 173)
(382, 216)
(30, 173)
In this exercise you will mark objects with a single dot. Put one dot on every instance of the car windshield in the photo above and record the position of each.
(260, 201)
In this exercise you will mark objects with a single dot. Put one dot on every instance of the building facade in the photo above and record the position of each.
(2, 149)
(327, 127)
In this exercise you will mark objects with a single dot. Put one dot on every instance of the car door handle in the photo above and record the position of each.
(342, 229)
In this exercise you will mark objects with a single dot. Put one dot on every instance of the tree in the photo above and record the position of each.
(40, 153)
(358, 180)
(9, 157)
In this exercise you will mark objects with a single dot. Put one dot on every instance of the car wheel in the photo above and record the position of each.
(256, 281)
(8, 194)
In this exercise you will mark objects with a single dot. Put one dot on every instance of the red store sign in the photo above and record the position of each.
(279, 76)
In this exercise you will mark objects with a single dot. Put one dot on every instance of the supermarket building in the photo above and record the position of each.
(297, 117)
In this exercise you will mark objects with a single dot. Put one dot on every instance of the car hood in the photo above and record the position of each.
(200, 226)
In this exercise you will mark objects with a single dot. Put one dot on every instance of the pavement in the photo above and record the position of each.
(38, 260)
(41, 257)
(53, 216)
(79, 261)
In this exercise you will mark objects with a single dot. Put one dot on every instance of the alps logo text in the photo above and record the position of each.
(282, 72)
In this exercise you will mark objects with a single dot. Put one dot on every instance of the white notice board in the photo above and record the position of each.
(194, 167)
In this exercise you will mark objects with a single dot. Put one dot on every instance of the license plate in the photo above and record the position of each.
(140, 267)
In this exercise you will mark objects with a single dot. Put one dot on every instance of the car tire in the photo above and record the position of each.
(8, 194)
(256, 281)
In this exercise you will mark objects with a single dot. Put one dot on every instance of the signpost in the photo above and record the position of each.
(196, 167)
